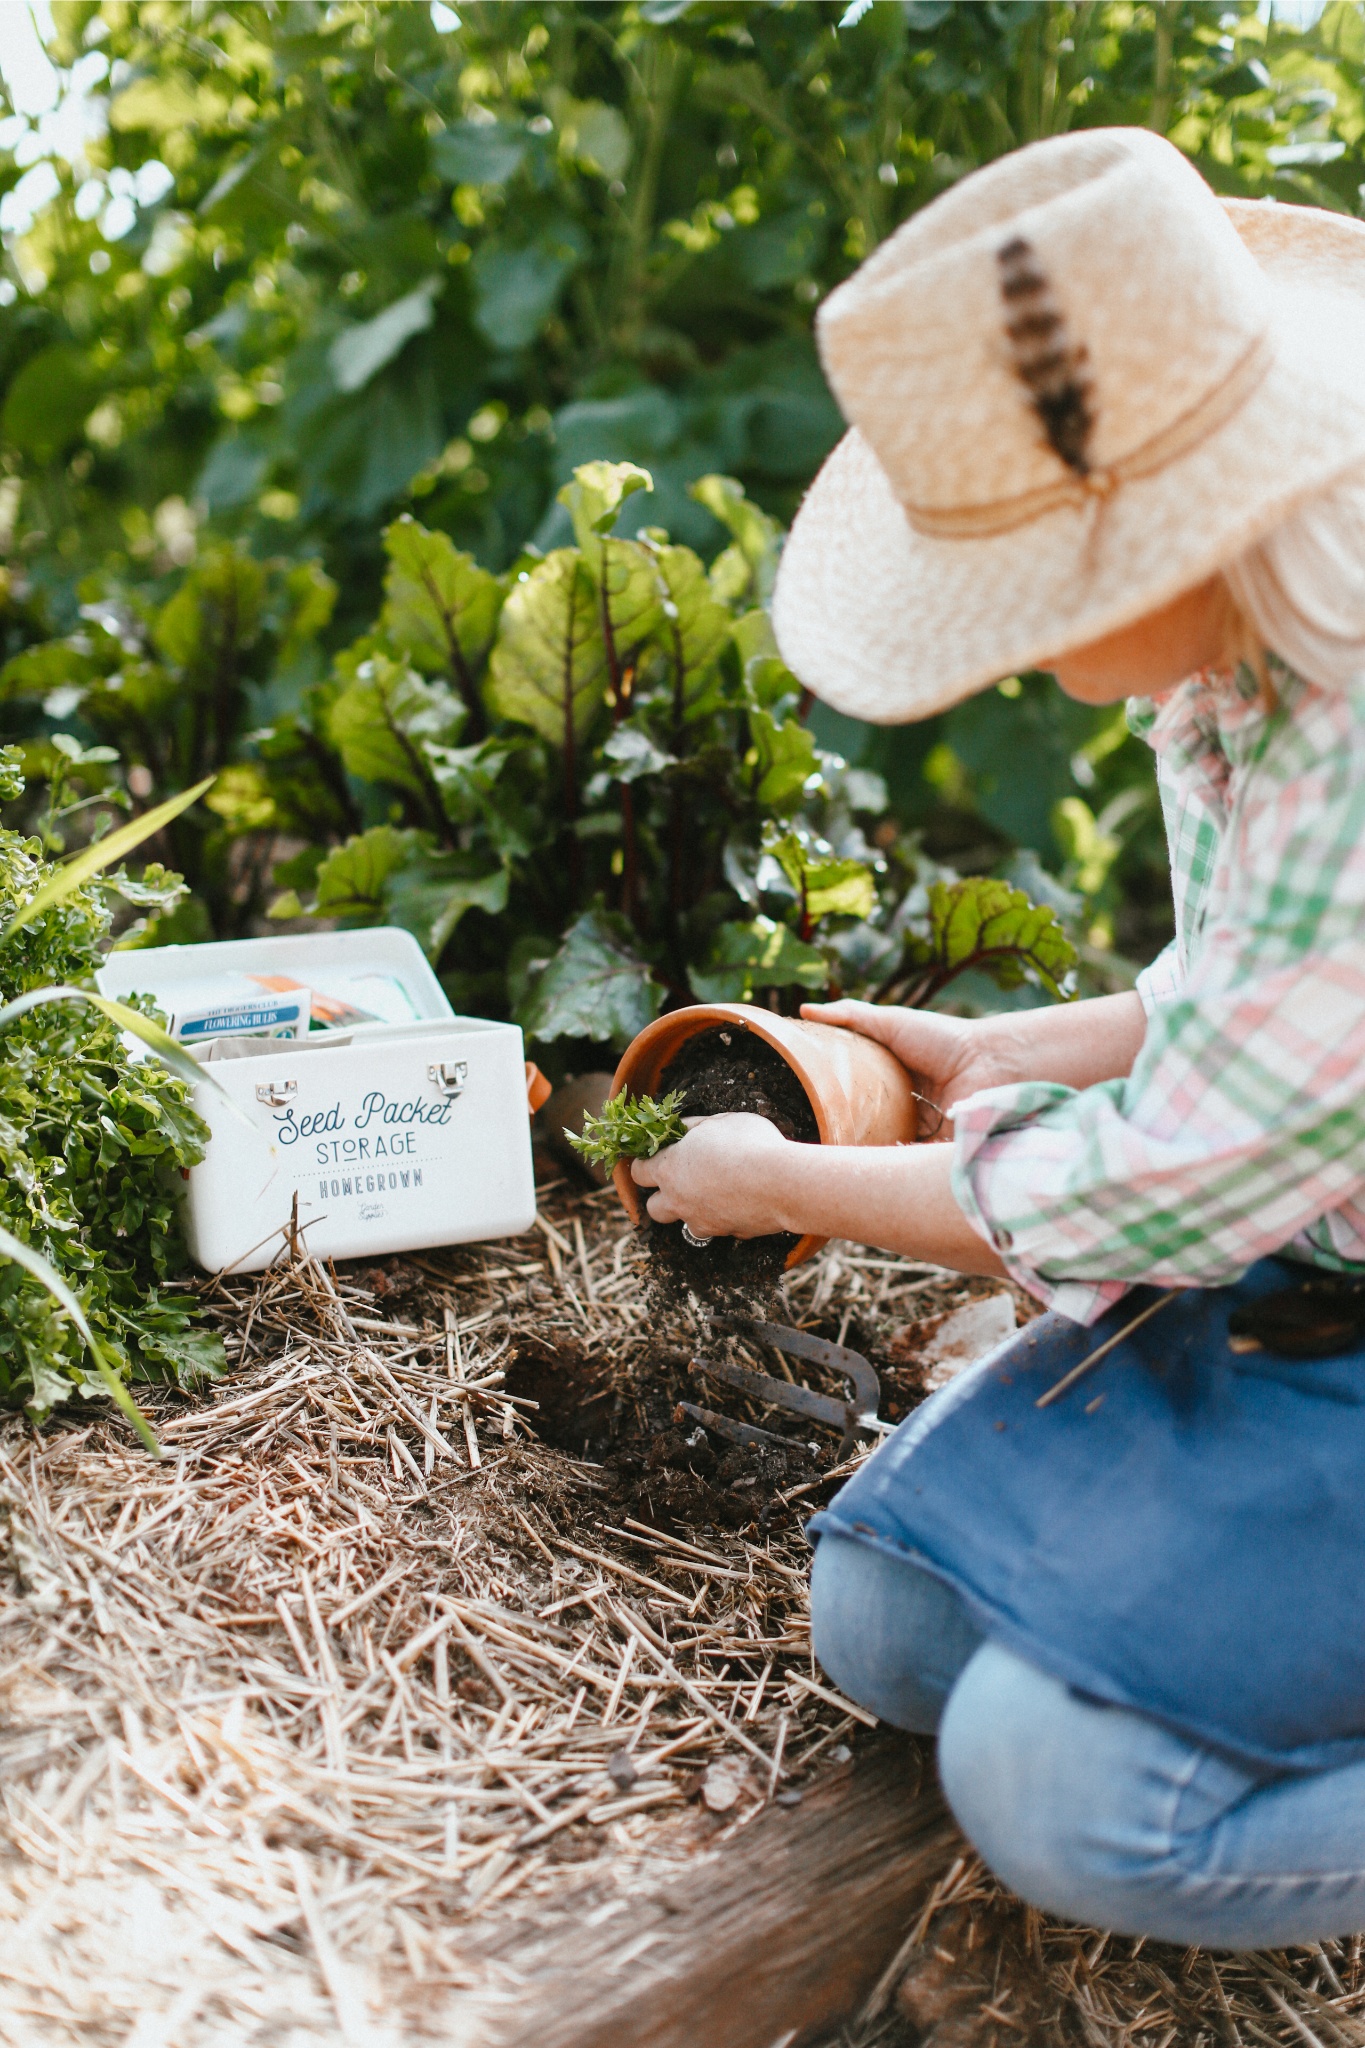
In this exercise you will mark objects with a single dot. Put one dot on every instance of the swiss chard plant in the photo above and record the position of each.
(586, 785)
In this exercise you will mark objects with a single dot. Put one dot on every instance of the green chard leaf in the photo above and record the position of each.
(440, 608)
(596, 986)
(748, 568)
(781, 764)
(352, 881)
(825, 885)
(382, 721)
(431, 893)
(549, 668)
(982, 922)
(695, 625)
(760, 954)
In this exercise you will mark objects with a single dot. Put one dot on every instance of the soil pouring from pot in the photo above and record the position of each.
(718, 1072)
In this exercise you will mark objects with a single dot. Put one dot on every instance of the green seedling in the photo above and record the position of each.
(630, 1127)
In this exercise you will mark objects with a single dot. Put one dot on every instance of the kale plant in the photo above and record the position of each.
(91, 1146)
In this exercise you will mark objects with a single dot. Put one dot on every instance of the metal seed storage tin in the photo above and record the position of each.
(396, 1123)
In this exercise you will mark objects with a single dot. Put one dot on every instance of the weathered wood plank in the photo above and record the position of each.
(776, 1939)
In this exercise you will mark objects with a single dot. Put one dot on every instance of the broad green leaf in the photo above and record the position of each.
(984, 922)
(781, 762)
(430, 895)
(594, 497)
(825, 885)
(215, 613)
(34, 1262)
(478, 152)
(767, 679)
(517, 289)
(549, 667)
(695, 626)
(353, 879)
(102, 854)
(441, 609)
(596, 986)
(360, 352)
(750, 566)
(760, 954)
(243, 799)
(48, 401)
(381, 722)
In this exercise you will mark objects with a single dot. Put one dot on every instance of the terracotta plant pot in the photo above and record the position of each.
(860, 1093)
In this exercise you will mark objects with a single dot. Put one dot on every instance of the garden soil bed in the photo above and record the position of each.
(434, 1687)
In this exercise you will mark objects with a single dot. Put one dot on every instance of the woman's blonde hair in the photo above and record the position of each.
(1302, 588)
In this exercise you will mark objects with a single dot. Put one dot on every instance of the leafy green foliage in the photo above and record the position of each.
(984, 923)
(630, 1127)
(328, 390)
(594, 986)
(90, 1144)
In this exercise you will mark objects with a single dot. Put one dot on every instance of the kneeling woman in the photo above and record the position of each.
(1106, 424)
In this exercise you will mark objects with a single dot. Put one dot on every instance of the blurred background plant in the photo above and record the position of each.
(304, 307)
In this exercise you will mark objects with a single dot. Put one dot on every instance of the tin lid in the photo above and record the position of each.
(377, 975)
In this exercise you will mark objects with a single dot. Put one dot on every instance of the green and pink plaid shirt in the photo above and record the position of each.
(1241, 1129)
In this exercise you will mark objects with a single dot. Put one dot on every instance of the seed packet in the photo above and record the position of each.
(236, 1004)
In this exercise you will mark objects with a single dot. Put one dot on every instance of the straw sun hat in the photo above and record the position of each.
(1077, 384)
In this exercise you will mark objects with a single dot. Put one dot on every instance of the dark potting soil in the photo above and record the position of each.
(654, 1464)
(718, 1072)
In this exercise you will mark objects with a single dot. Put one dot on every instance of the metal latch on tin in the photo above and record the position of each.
(277, 1093)
(450, 1076)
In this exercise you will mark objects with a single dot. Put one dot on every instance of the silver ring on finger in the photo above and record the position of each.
(690, 1237)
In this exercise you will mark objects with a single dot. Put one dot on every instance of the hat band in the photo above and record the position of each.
(1003, 515)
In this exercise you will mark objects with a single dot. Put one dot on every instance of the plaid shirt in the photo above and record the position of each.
(1241, 1129)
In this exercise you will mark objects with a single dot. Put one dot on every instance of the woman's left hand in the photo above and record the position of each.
(722, 1179)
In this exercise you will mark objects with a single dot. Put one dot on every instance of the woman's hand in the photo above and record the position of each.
(736, 1176)
(720, 1179)
(951, 1058)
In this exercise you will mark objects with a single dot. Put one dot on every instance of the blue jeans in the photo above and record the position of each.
(1089, 1811)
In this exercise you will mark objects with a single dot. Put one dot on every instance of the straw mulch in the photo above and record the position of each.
(303, 1729)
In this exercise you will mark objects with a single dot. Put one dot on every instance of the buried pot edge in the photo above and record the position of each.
(860, 1093)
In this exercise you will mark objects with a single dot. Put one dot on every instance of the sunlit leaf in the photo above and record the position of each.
(351, 881)
(441, 608)
(381, 722)
(549, 668)
(101, 854)
(760, 954)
